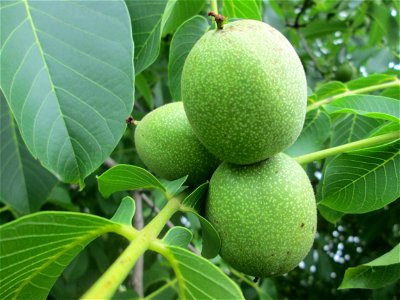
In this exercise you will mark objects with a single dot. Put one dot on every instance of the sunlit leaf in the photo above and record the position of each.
(126, 177)
(249, 9)
(367, 105)
(67, 74)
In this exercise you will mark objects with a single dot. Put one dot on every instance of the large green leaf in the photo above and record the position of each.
(198, 278)
(378, 107)
(126, 177)
(374, 79)
(24, 183)
(376, 274)
(182, 42)
(322, 28)
(178, 11)
(362, 180)
(316, 131)
(249, 9)
(36, 249)
(146, 17)
(67, 74)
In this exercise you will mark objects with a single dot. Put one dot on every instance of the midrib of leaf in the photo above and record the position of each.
(353, 122)
(39, 45)
(366, 174)
(233, 7)
(90, 234)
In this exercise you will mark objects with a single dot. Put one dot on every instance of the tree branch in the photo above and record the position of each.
(137, 278)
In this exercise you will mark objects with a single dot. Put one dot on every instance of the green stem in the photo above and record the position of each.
(365, 143)
(4, 208)
(108, 283)
(214, 6)
(367, 89)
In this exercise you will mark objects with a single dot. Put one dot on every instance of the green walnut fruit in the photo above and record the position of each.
(244, 91)
(265, 214)
(345, 72)
(166, 144)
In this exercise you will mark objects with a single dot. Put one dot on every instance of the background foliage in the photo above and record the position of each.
(337, 41)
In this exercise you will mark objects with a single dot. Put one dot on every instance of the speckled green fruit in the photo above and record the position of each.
(345, 72)
(167, 145)
(265, 214)
(244, 91)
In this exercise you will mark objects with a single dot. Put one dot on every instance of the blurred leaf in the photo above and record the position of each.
(366, 105)
(391, 93)
(77, 268)
(125, 211)
(386, 128)
(376, 274)
(178, 236)
(144, 89)
(178, 11)
(168, 291)
(24, 184)
(67, 74)
(126, 177)
(322, 28)
(157, 273)
(235, 9)
(198, 278)
(129, 294)
(182, 42)
(60, 196)
(35, 249)
(146, 17)
(316, 131)
(210, 237)
(362, 180)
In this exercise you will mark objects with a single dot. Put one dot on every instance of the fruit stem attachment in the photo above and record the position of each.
(108, 283)
(365, 143)
(219, 19)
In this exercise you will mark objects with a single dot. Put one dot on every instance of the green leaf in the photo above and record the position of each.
(174, 187)
(374, 79)
(178, 236)
(322, 28)
(329, 214)
(198, 278)
(182, 42)
(146, 17)
(330, 89)
(67, 74)
(125, 211)
(60, 196)
(249, 9)
(376, 274)
(143, 88)
(24, 183)
(210, 237)
(366, 105)
(35, 249)
(316, 131)
(352, 127)
(178, 11)
(362, 180)
(126, 177)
